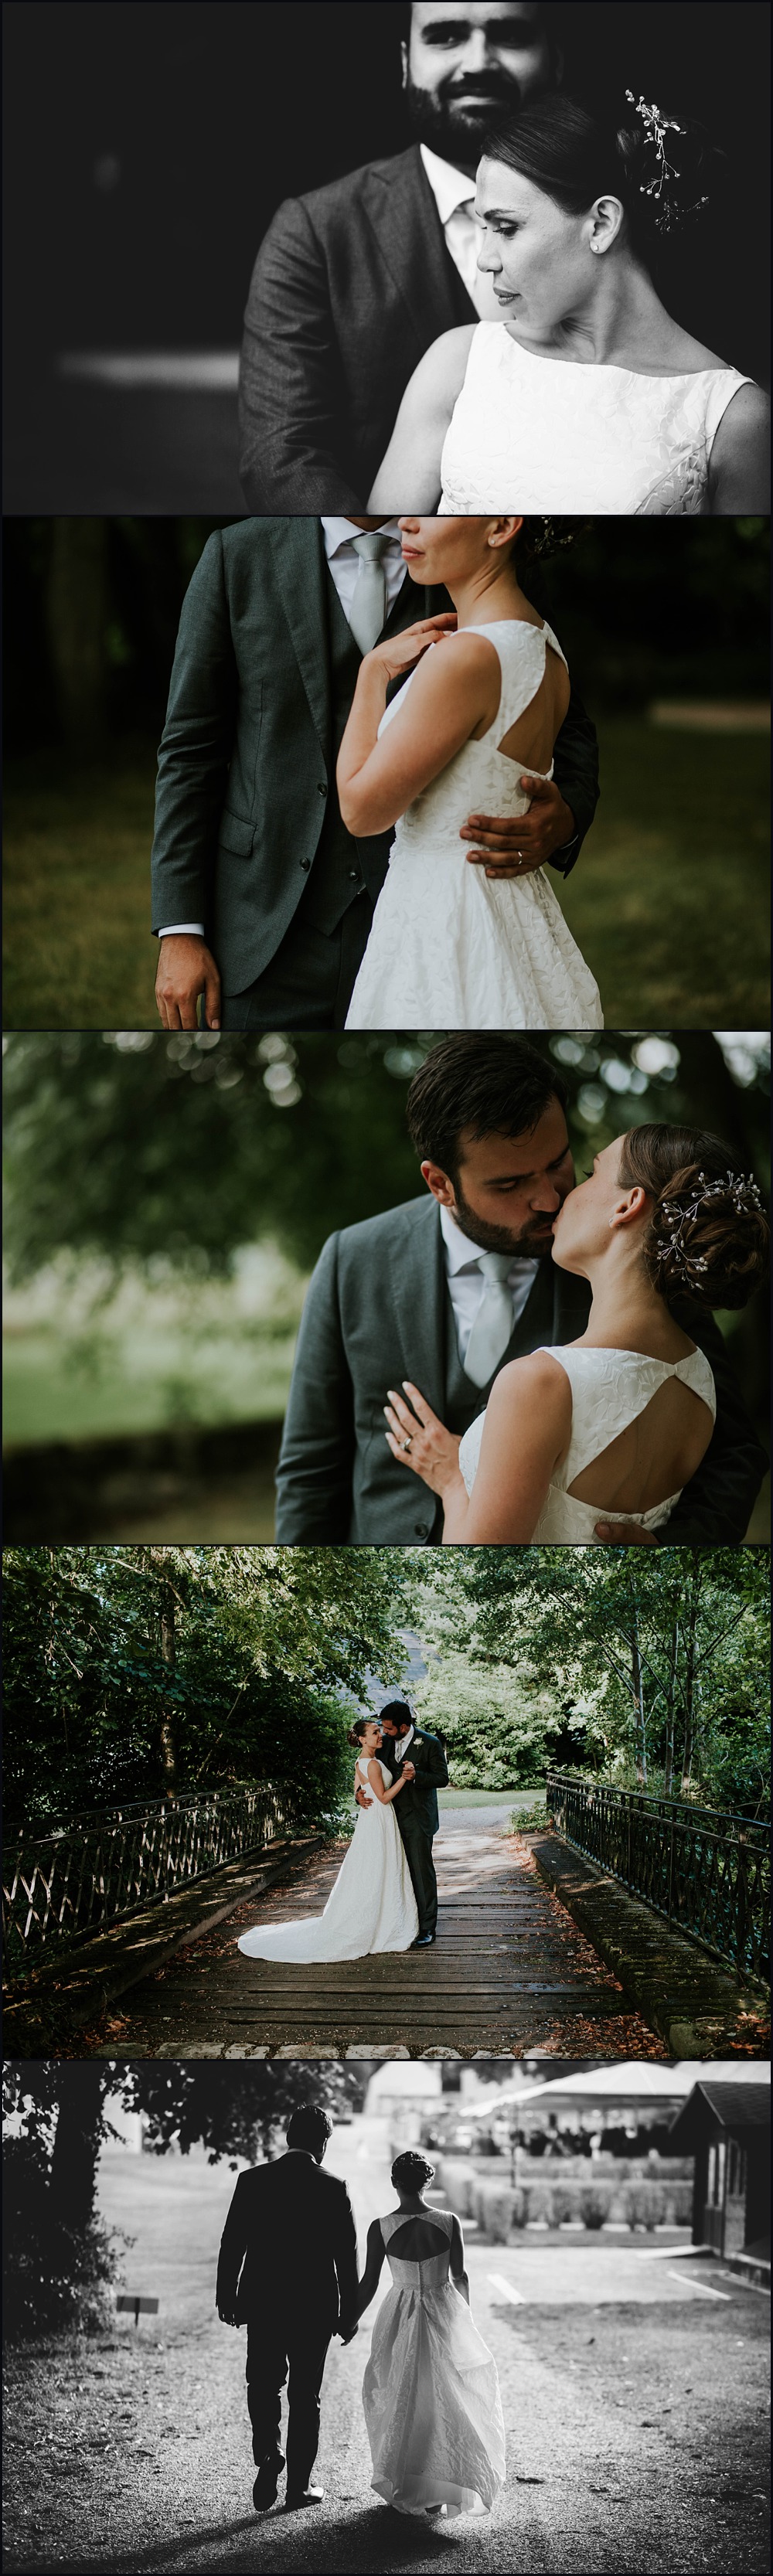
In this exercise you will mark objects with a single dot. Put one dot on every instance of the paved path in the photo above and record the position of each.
(634, 2394)
(510, 1972)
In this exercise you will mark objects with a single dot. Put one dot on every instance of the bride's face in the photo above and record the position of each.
(453, 551)
(538, 259)
(586, 1224)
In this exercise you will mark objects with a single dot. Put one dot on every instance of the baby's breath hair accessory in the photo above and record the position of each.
(677, 1215)
(662, 186)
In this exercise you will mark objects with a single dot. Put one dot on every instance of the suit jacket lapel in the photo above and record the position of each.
(302, 575)
(419, 1295)
(400, 206)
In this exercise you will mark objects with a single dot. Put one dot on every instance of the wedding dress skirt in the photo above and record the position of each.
(534, 433)
(609, 1390)
(372, 1905)
(430, 2392)
(450, 948)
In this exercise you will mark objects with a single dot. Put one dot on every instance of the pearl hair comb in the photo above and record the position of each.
(677, 1214)
(668, 211)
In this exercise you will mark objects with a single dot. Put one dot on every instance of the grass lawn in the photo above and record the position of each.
(669, 901)
(147, 1378)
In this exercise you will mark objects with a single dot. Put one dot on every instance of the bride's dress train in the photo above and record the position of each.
(609, 1390)
(430, 2392)
(450, 947)
(372, 1905)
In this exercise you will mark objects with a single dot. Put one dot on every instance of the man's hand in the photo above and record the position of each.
(521, 842)
(226, 2317)
(625, 1534)
(347, 2333)
(186, 968)
(408, 1770)
(360, 1798)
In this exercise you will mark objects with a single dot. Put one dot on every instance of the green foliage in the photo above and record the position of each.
(132, 1668)
(495, 1721)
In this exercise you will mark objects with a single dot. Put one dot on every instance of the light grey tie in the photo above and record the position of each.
(368, 610)
(492, 1329)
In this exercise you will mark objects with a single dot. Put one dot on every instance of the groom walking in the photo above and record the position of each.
(288, 2271)
(262, 900)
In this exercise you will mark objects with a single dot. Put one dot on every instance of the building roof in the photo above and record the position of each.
(634, 2080)
(733, 2107)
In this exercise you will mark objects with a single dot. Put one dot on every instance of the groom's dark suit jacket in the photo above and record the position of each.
(351, 284)
(289, 2241)
(247, 814)
(378, 1311)
(418, 1800)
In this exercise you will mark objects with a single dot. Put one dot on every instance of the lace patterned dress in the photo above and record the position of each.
(609, 1390)
(533, 433)
(450, 948)
(430, 2392)
(371, 1906)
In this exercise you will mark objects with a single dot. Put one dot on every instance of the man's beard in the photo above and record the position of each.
(530, 1245)
(454, 131)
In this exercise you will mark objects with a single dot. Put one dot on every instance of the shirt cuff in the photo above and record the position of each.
(182, 929)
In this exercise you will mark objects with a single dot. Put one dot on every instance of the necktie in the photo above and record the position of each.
(367, 614)
(492, 1329)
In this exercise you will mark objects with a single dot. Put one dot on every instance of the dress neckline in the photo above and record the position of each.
(613, 367)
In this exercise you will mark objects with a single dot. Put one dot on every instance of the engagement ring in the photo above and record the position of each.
(405, 1444)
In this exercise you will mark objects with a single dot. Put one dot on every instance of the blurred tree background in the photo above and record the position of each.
(167, 1197)
(665, 624)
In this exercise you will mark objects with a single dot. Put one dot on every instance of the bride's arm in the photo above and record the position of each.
(457, 2264)
(385, 1796)
(374, 2257)
(739, 464)
(526, 1432)
(410, 474)
(451, 693)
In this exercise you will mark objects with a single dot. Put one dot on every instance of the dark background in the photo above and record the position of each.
(148, 143)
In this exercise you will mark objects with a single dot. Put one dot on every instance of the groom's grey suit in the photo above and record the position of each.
(378, 1311)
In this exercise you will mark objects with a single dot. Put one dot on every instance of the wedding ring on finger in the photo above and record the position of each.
(406, 1444)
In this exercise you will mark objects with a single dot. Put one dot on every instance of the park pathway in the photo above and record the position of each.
(509, 1972)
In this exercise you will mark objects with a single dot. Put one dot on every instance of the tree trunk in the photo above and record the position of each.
(168, 1634)
(77, 2142)
(669, 1751)
(76, 603)
(637, 1684)
(689, 1689)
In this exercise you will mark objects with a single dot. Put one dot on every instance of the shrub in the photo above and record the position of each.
(458, 2181)
(593, 2206)
(643, 2205)
(495, 2212)
(560, 2204)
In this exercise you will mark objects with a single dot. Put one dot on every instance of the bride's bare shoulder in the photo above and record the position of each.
(445, 363)
(538, 1381)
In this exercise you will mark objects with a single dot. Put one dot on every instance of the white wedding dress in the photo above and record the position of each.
(430, 2392)
(545, 434)
(372, 1905)
(609, 1390)
(450, 948)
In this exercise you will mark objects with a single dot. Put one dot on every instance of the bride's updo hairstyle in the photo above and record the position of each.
(708, 1236)
(357, 1731)
(655, 164)
(410, 2171)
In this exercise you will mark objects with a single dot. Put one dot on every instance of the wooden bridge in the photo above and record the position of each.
(509, 1972)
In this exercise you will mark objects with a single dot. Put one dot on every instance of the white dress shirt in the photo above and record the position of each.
(343, 566)
(466, 1283)
(454, 195)
(401, 1742)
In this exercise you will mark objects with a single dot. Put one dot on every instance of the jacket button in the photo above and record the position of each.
(354, 876)
(421, 1529)
(321, 788)
(305, 864)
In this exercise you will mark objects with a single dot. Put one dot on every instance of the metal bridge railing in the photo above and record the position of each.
(77, 1878)
(704, 1868)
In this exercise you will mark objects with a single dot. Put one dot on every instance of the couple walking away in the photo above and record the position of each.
(485, 319)
(309, 714)
(288, 2271)
(526, 1353)
(385, 1895)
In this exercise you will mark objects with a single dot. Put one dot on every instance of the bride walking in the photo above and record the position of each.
(372, 1905)
(430, 2392)
(487, 693)
(586, 395)
(612, 1426)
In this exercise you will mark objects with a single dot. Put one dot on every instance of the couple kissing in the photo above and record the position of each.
(385, 1895)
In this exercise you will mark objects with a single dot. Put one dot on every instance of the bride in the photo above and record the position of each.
(612, 1425)
(487, 693)
(372, 1905)
(430, 2392)
(586, 394)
